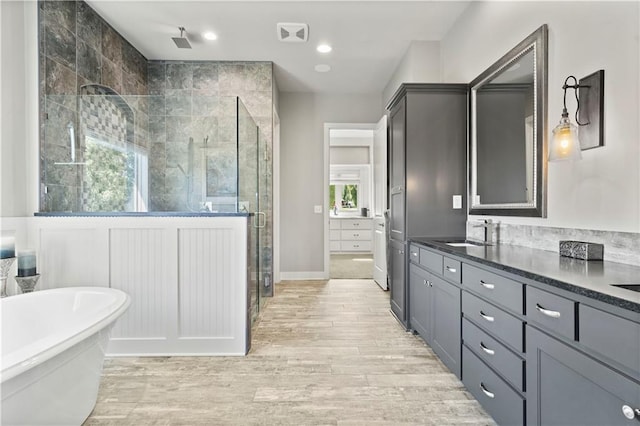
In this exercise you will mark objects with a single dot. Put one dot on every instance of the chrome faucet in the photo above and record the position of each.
(487, 224)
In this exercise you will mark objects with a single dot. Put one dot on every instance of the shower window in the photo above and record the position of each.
(115, 177)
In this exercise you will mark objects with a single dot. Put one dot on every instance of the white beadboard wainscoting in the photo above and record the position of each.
(187, 277)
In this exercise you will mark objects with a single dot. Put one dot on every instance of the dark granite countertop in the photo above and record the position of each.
(140, 214)
(591, 279)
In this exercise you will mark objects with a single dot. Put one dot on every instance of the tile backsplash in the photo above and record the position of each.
(622, 247)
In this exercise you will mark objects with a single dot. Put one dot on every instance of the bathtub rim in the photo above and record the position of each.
(123, 301)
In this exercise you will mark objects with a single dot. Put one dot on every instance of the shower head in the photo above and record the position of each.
(181, 41)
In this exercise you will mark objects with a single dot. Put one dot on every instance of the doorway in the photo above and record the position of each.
(349, 200)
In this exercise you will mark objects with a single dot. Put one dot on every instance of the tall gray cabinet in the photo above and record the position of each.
(427, 168)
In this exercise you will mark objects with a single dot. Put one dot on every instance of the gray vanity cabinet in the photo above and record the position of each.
(397, 118)
(434, 308)
(531, 353)
(427, 167)
(445, 324)
(419, 301)
(567, 387)
(494, 342)
(396, 272)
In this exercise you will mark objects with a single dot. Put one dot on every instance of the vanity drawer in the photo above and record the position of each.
(494, 320)
(414, 253)
(356, 224)
(431, 260)
(334, 245)
(357, 235)
(494, 353)
(451, 269)
(552, 312)
(504, 404)
(494, 287)
(334, 235)
(355, 246)
(616, 338)
(334, 224)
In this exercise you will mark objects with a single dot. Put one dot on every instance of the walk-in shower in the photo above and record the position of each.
(105, 153)
(119, 160)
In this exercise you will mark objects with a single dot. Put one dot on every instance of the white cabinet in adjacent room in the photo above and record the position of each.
(351, 235)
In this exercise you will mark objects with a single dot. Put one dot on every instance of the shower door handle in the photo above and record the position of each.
(264, 220)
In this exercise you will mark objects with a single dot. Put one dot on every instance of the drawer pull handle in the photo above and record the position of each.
(486, 349)
(413, 253)
(426, 283)
(401, 251)
(450, 269)
(486, 392)
(488, 286)
(487, 317)
(547, 312)
(356, 235)
(629, 412)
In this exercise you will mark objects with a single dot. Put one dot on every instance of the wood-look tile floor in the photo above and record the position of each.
(323, 353)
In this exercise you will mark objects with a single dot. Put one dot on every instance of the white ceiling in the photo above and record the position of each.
(369, 38)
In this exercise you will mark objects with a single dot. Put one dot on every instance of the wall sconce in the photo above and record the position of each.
(567, 141)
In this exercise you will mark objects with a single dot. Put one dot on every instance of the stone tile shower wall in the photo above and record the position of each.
(77, 47)
(194, 101)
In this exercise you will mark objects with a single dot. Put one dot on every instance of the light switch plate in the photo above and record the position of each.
(457, 201)
(317, 209)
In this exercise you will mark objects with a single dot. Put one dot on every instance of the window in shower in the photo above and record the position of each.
(115, 177)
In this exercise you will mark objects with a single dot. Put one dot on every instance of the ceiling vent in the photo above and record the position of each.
(295, 33)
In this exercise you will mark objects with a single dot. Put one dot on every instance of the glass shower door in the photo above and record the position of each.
(249, 201)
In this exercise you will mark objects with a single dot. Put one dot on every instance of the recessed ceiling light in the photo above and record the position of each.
(210, 36)
(322, 68)
(323, 48)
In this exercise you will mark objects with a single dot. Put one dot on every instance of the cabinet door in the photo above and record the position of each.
(419, 301)
(445, 323)
(566, 387)
(396, 279)
(380, 254)
(397, 172)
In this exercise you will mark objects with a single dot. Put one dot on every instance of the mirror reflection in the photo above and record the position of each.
(507, 139)
(504, 135)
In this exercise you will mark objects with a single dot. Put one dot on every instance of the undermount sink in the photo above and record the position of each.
(632, 287)
(466, 243)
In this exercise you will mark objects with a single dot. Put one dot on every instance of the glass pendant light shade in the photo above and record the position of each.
(564, 141)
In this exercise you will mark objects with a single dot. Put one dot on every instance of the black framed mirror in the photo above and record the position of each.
(508, 133)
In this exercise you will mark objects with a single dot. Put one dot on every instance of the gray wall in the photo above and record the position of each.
(302, 118)
(13, 191)
(420, 64)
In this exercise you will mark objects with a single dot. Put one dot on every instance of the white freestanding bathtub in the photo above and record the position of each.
(53, 346)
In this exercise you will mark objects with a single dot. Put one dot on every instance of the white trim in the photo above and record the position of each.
(276, 196)
(303, 276)
(325, 183)
(32, 107)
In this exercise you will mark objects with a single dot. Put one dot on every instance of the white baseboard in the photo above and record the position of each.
(302, 276)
